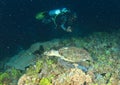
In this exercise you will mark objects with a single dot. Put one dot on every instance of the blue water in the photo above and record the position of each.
(19, 28)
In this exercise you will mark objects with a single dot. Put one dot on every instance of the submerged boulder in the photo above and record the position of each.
(21, 60)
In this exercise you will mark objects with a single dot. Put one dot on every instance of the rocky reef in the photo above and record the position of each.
(89, 60)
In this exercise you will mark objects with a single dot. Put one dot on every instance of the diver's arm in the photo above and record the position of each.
(68, 29)
(63, 27)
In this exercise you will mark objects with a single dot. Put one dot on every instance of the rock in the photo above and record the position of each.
(21, 60)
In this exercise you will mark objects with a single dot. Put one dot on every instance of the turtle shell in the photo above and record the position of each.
(74, 54)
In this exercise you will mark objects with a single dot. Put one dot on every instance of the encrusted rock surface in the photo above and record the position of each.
(72, 77)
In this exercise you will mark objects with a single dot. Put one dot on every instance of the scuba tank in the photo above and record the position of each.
(56, 12)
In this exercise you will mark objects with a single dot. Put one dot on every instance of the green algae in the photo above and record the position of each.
(45, 81)
(3, 77)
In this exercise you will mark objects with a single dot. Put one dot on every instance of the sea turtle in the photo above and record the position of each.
(70, 54)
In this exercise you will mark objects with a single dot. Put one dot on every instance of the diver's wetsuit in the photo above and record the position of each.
(65, 21)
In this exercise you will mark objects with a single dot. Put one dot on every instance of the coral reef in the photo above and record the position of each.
(90, 60)
(72, 77)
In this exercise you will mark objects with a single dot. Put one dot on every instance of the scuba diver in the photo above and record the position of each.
(61, 18)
